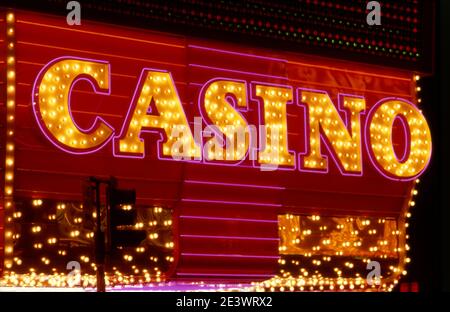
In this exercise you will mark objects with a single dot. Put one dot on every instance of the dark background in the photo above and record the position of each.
(429, 229)
(333, 28)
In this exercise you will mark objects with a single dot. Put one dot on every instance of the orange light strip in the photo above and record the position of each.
(99, 53)
(417, 89)
(9, 154)
(100, 34)
(115, 74)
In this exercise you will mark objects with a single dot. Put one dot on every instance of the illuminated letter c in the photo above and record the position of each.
(51, 103)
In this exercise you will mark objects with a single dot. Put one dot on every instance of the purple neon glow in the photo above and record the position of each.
(228, 202)
(176, 286)
(225, 274)
(228, 219)
(228, 256)
(272, 59)
(324, 140)
(238, 71)
(230, 237)
(269, 187)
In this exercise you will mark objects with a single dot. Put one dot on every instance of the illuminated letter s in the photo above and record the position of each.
(51, 103)
(218, 99)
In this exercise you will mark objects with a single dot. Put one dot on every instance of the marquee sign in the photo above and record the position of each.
(248, 165)
(222, 103)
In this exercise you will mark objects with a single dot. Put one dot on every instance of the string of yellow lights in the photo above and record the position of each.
(9, 159)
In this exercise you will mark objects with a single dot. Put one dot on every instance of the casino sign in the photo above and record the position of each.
(224, 102)
(284, 169)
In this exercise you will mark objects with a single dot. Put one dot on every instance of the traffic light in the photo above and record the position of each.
(123, 219)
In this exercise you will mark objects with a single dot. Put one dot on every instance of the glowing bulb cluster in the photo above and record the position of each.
(223, 115)
(50, 250)
(380, 139)
(159, 88)
(345, 145)
(275, 100)
(52, 95)
(310, 242)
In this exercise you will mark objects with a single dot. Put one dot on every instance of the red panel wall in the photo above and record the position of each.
(226, 215)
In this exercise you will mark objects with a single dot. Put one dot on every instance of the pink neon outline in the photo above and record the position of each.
(260, 103)
(188, 254)
(230, 237)
(237, 53)
(97, 89)
(237, 71)
(369, 146)
(269, 187)
(347, 122)
(132, 106)
(229, 202)
(208, 218)
(225, 274)
(238, 110)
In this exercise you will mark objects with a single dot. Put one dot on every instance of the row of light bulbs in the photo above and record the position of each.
(9, 155)
(150, 274)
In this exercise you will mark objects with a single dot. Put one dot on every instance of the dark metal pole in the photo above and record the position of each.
(108, 219)
(99, 243)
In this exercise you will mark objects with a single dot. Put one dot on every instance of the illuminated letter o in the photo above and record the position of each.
(379, 126)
